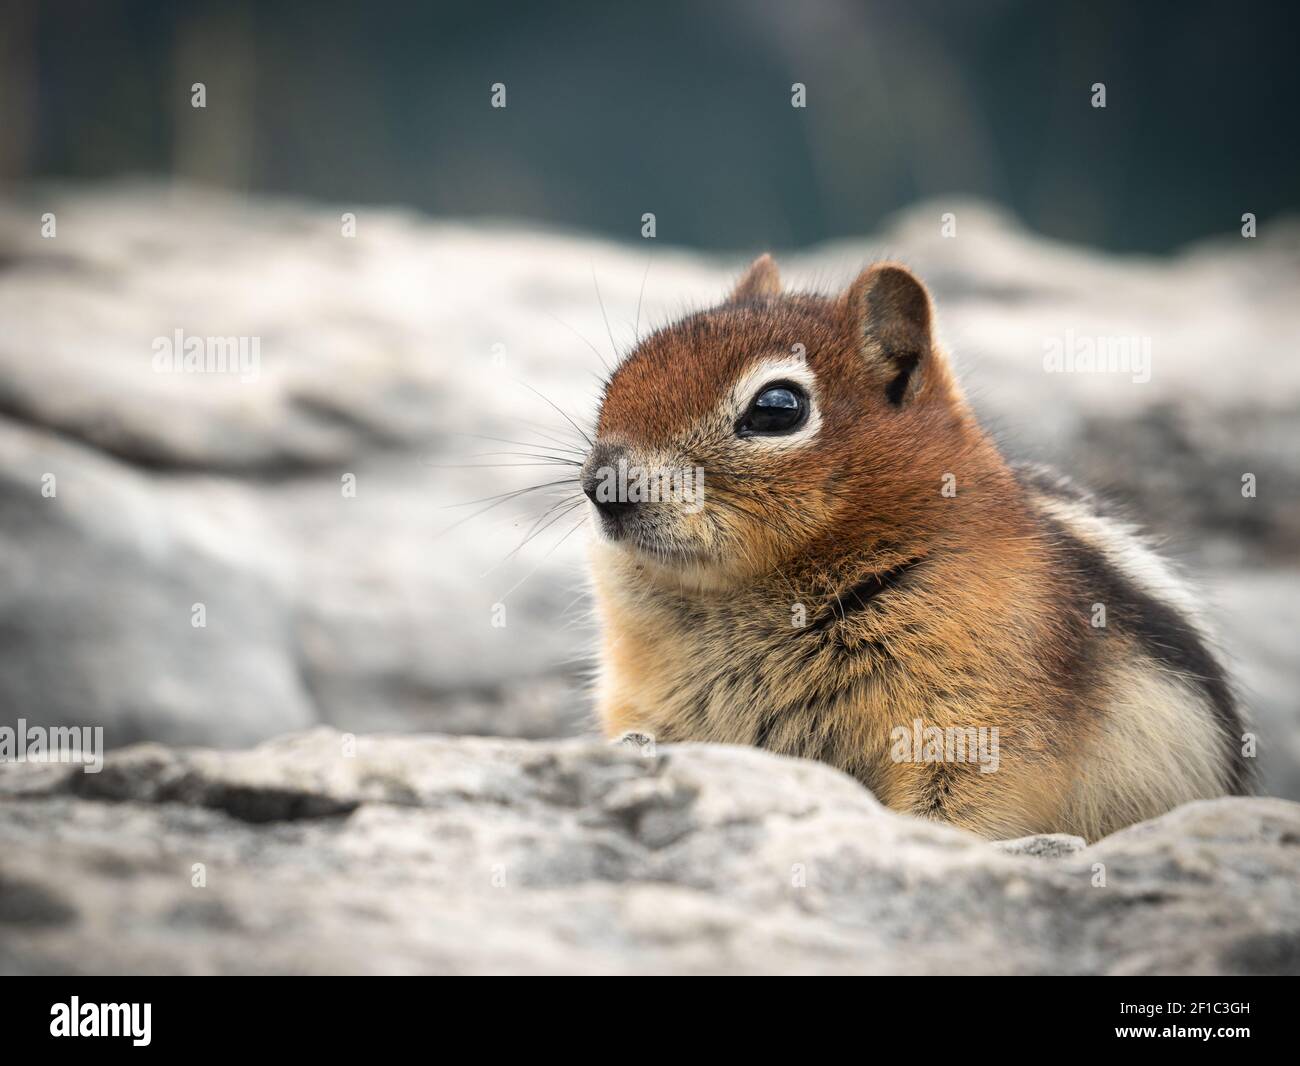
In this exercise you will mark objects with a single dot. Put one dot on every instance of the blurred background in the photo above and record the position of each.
(680, 108)
(499, 251)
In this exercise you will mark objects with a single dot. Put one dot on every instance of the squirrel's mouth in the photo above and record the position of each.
(635, 537)
(668, 555)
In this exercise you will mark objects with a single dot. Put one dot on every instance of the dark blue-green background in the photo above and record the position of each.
(682, 109)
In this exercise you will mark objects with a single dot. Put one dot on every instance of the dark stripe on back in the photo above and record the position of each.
(1164, 636)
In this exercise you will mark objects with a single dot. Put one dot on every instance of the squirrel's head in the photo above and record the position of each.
(778, 425)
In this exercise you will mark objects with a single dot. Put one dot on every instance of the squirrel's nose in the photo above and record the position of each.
(602, 483)
(611, 508)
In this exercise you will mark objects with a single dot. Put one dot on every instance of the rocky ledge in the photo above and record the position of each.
(327, 853)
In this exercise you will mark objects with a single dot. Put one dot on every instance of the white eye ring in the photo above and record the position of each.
(776, 372)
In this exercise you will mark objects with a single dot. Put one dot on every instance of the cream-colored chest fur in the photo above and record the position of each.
(763, 666)
(1087, 741)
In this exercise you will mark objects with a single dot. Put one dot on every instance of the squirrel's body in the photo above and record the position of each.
(870, 584)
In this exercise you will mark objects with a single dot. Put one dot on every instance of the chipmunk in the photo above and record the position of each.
(865, 580)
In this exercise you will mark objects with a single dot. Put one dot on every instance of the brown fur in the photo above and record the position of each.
(986, 627)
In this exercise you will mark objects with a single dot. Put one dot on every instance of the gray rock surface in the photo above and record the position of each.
(472, 855)
(381, 353)
(1044, 845)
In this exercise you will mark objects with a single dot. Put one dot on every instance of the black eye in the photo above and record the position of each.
(779, 408)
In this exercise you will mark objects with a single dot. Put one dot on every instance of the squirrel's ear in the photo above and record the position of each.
(889, 310)
(761, 280)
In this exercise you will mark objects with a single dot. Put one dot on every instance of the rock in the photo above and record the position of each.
(381, 354)
(474, 855)
(102, 581)
(1044, 846)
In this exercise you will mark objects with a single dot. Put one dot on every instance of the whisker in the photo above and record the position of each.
(584, 340)
(637, 328)
(535, 532)
(601, 300)
(526, 455)
(537, 428)
(504, 497)
(543, 559)
(525, 443)
(500, 466)
(571, 422)
(501, 497)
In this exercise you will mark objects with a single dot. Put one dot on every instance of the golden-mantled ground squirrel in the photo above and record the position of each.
(807, 544)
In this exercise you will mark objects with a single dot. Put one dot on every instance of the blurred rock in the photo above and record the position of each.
(466, 855)
(1044, 845)
(102, 581)
(389, 357)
